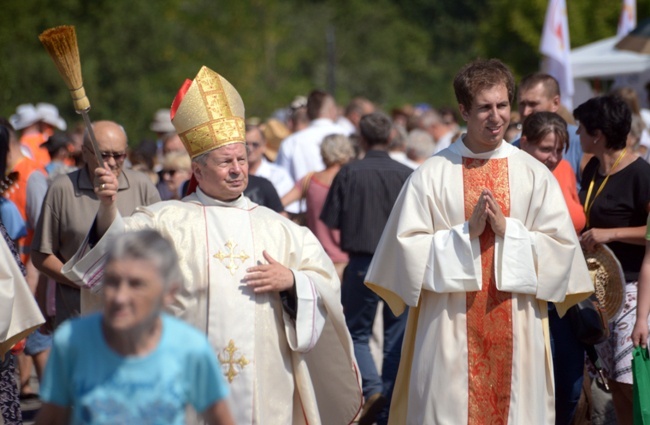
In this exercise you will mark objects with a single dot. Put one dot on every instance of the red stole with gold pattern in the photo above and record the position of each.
(489, 311)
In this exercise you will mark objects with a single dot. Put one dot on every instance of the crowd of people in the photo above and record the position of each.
(233, 270)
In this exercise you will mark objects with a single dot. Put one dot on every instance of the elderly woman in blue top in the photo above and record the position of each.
(133, 363)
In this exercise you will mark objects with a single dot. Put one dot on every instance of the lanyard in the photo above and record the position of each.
(588, 206)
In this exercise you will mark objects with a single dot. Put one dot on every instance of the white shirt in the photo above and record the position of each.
(280, 179)
(346, 125)
(403, 159)
(299, 153)
(277, 175)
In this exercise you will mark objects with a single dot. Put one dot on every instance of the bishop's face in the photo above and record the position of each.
(224, 174)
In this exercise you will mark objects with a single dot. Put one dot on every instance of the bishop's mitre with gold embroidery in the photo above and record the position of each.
(208, 113)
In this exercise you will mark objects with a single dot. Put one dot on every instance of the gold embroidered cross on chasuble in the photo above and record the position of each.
(232, 364)
(230, 255)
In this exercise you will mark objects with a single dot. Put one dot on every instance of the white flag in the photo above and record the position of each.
(556, 47)
(627, 22)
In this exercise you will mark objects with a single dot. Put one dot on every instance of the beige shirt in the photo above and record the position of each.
(69, 210)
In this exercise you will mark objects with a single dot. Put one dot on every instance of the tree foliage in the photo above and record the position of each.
(135, 55)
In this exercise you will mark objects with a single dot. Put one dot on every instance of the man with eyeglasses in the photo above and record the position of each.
(67, 214)
(258, 165)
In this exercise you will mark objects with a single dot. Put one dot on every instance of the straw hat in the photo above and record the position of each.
(609, 281)
(162, 122)
(49, 114)
(274, 133)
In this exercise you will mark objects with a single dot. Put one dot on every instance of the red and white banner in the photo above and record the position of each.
(556, 48)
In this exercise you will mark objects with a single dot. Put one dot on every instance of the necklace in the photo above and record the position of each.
(588, 205)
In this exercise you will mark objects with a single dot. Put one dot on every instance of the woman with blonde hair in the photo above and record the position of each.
(176, 170)
(336, 151)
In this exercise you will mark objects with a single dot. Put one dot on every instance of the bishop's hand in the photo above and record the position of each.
(271, 277)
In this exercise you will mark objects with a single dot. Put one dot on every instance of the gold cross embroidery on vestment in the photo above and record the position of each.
(234, 365)
(230, 255)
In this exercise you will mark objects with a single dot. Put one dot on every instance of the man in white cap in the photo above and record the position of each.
(261, 287)
(36, 125)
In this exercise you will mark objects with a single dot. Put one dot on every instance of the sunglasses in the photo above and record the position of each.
(170, 172)
(117, 156)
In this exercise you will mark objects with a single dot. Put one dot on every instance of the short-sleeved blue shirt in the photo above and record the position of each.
(103, 387)
(11, 218)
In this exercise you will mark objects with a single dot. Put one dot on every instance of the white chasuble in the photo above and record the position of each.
(477, 306)
(280, 370)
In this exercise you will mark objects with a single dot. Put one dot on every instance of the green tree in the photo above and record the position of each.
(135, 55)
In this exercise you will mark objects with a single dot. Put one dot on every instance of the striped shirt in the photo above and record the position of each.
(361, 199)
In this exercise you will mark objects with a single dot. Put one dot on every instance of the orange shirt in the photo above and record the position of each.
(18, 195)
(566, 177)
(33, 141)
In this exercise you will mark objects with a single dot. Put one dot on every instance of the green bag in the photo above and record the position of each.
(641, 386)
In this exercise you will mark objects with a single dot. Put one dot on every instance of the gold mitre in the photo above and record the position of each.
(208, 113)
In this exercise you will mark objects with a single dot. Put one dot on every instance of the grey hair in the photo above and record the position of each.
(148, 245)
(203, 158)
(420, 144)
(429, 118)
(336, 149)
(397, 138)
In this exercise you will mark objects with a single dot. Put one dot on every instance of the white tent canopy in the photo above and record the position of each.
(601, 59)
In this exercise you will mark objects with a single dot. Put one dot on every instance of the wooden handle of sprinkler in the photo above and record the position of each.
(80, 100)
(91, 134)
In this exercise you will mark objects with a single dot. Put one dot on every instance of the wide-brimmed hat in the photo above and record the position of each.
(608, 278)
(49, 114)
(25, 116)
(162, 122)
(274, 133)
